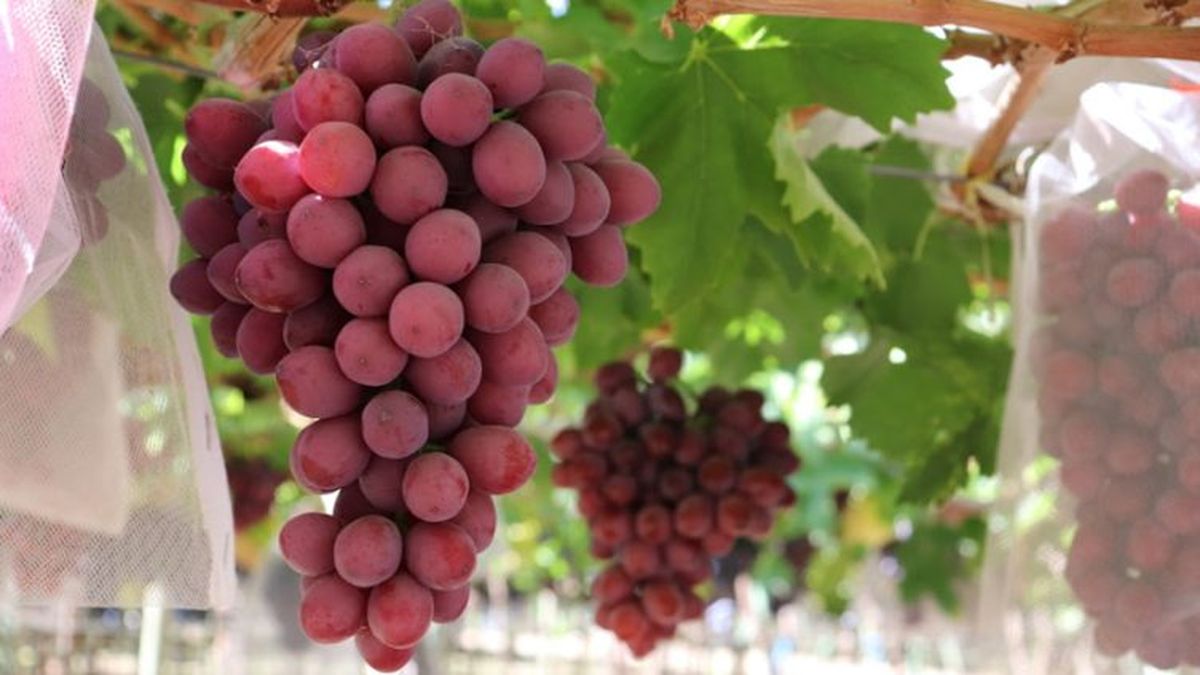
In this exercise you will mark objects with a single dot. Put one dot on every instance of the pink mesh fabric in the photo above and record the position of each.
(112, 485)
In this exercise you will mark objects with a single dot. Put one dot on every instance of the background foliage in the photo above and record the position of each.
(814, 272)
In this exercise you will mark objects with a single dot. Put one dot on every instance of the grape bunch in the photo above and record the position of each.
(390, 237)
(1118, 360)
(665, 492)
(252, 485)
(92, 156)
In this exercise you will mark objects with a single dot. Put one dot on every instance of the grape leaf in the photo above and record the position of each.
(702, 124)
(828, 237)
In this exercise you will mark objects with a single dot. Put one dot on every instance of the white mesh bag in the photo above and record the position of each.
(111, 476)
(1095, 548)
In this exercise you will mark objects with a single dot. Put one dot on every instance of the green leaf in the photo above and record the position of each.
(612, 319)
(898, 207)
(926, 295)
(827, 235)
(874, 70)
(703, 126)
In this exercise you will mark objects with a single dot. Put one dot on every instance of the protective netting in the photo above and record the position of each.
(111, 477)
(1095, 545)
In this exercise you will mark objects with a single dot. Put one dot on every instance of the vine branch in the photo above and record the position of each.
(1067, 36)
(284, 8)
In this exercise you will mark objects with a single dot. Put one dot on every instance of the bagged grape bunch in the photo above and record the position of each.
(1107, 381)
(391, 239)
(665, 492)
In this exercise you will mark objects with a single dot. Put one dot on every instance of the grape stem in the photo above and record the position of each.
(1067, 36)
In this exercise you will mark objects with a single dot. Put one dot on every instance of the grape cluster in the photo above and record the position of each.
(665, 492)
(252, 484)
(390, 238)
(1118, 359)
(93, 155)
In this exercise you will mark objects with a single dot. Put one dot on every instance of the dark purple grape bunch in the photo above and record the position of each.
(1118, 360)
(252, 485)
(391, 241)
(93, 156)
(665, 491)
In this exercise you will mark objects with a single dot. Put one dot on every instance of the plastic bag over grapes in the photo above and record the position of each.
(1095, 546)
(113, 487)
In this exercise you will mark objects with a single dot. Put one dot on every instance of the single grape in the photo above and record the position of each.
(325, 95)
(1134, 282)
(568, 77)
(268, 175)
(366, 354)
(446, 419)
(380, 656)
(508, 164)
(543, 390)
(640, 560)
(380, 482)
(426, 319)
(498, 404)
(443, 246)
(535, 258)
(440, 555)
(331, 452)
(314, 324)
(513, 70)
(409, 182)
(400, 610)
(448, 379)
(337, 159)
(611, 585)
(260, 340)
(1142, 192)
(212, 177)
(565, 123)
(435, 487)
(255, 227)
(1068, 375)
(497, 459)
(456, 161)
(477, 518)
(427, 23)
(455, 54)
(366, 280)
(516, 357)
(634, 191)
(373, 56)
(323, 231)
(306, 543)
(555, 201)
(350, 504)
(493, 221)
(395, 424)
(663, 603)
(456, 109)
(368, 551)
(313, 385)
(449, 605)
(693, 517)
(495, 298)
(331, 610)
(274, 279)
(393, 117)
(192, 289)
(591, 205)
(224, 326)
(600, 258)
(653, 524)
(221, 130)
(209, 224)
(557, 316)
(222, 270)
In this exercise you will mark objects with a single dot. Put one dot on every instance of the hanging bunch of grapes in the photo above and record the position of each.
(1118, 358)
(391, 239)
(665, 491)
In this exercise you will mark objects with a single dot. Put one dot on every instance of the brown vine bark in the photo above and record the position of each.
(1068, 36)
(284, 8)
